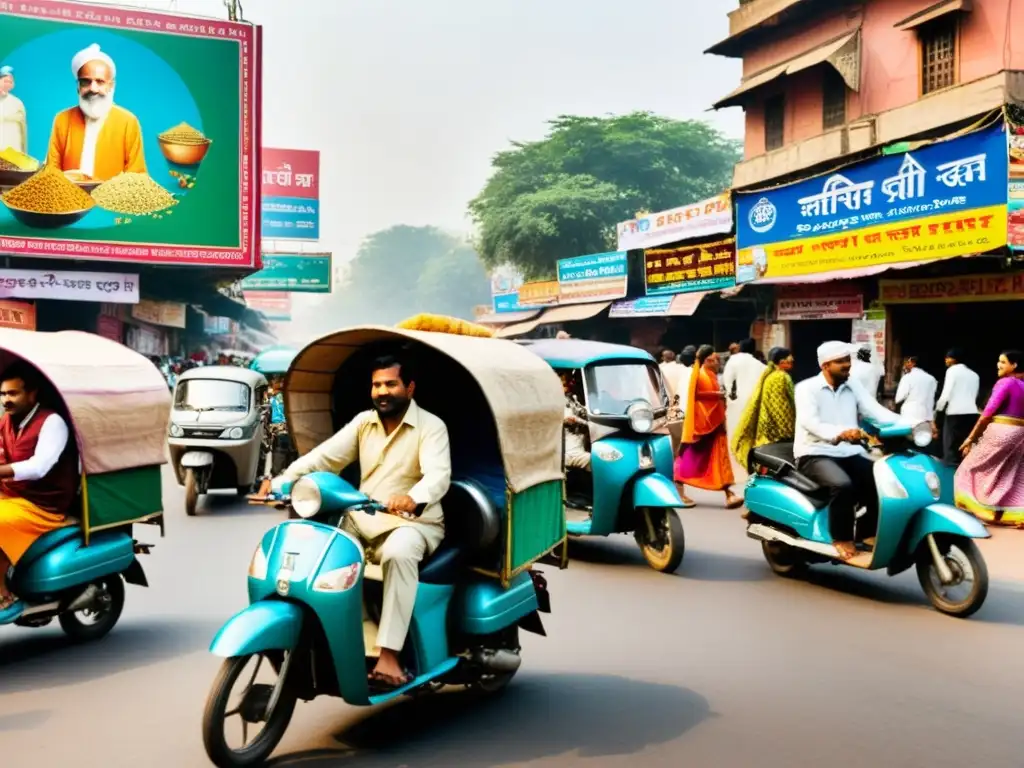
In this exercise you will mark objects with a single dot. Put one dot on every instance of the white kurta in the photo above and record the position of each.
(13, 128)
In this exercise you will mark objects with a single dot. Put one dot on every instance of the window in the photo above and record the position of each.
(774, 122)
(612, 388)
(938, 55)
(833, 99)
(211, 395)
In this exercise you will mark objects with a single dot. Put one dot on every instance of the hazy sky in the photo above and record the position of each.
(407, 100)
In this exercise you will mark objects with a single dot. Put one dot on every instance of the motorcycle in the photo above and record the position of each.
(788, 514)
(315, 597)
(624, 414)
(77, 573)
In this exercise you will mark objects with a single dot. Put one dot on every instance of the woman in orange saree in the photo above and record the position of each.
(703, 460)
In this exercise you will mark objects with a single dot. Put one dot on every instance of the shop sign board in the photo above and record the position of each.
(689, 222)
(953, 290)
(186, 115)
(273, 305)
(17, 314)
(292, 272)
(592, 278)
(290, 199)
(709, 267)
(806, 303)
(105, 287)
(869, 332)
(169, 313)
(943, 200)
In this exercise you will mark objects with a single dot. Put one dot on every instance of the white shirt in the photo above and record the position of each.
(959, 392)
(822, 414)
(12, 123)
(92, 135)
(742, 370)
(868, 375)
(53, 438)
(668, 373)
(683, 385)
(916, 393)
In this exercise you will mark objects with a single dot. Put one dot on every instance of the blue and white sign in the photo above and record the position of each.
(597, 277)
(290, 218)
(899, 207)
(509, 302)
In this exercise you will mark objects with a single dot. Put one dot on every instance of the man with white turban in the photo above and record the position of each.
(96, 138)
(13, 127)
(827, 443)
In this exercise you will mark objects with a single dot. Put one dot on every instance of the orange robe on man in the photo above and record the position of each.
(118, 148)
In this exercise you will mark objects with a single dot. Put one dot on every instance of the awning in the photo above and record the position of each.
(933, 12)
(564, 314)
(837, 53)
(507, 318)
(846, 274)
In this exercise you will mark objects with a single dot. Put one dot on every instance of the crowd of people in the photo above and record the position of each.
(752, 401)
(172, 367)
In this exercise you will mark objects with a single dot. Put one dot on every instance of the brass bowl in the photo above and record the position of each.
(184, 154)
(38, 220)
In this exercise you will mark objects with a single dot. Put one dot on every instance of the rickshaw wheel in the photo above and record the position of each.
(191, 492)
(665, 552)
(92, 624)
(256, 698)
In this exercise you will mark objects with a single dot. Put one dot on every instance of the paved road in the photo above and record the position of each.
(723, 664)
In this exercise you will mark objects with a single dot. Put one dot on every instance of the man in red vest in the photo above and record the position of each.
(38, 470)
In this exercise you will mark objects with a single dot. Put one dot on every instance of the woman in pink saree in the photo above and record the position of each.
(990, 482)
(703, 460)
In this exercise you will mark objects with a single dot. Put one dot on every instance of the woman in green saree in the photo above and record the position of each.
(770, 414)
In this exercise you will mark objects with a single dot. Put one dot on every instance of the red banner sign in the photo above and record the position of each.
(291, 173)
(818, 303)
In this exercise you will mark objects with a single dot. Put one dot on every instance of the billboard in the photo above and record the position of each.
(135, 136)
(294, 272)
(290, 200)
(274, 306)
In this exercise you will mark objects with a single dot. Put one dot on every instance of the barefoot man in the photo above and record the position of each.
(405, 461)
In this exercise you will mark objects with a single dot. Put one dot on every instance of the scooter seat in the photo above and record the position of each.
(442, 567)
(48, 542)
(778, 459)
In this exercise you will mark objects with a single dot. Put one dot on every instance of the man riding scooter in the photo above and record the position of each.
(405, 461)
(38, 472)
(827, 443)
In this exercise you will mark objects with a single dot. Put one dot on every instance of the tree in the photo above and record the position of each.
(403, 270)
(562, 196)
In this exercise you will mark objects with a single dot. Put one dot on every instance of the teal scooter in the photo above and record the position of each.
(307, 587)
(621, 401)
(917, 527)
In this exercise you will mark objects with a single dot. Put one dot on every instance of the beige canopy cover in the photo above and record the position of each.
(523, 392)
(119, 402)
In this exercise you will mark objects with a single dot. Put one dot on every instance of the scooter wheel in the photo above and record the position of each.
(215, 717)
(969, 589)
(94, 623)
(783, 559)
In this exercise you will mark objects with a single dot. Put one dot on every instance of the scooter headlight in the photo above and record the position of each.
(641, 417)
(889, 486)
(306, 499)
(338, 580)
(922, 435)
(258, 564)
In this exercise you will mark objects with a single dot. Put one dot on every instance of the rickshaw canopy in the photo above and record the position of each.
(274, 361)
(578, 353)
(117, 399)
(524, 394)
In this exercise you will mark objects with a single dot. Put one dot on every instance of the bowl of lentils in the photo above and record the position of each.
(48, 200)
(184, 145)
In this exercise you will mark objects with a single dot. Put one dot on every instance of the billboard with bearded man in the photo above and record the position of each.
(137, 135)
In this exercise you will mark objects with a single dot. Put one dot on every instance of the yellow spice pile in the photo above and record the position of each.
(132, 193)
(48, 192)
(183, 133)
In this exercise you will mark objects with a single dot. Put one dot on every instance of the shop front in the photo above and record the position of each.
(978, 313)
(813, 314)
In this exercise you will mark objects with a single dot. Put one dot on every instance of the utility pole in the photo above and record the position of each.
(235, 11)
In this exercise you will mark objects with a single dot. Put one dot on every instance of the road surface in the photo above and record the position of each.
(723, 664)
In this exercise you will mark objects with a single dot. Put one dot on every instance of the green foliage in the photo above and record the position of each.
(562, 196)
(403, 270)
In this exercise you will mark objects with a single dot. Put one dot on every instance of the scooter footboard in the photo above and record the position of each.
(269, 625)
(484, 608)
